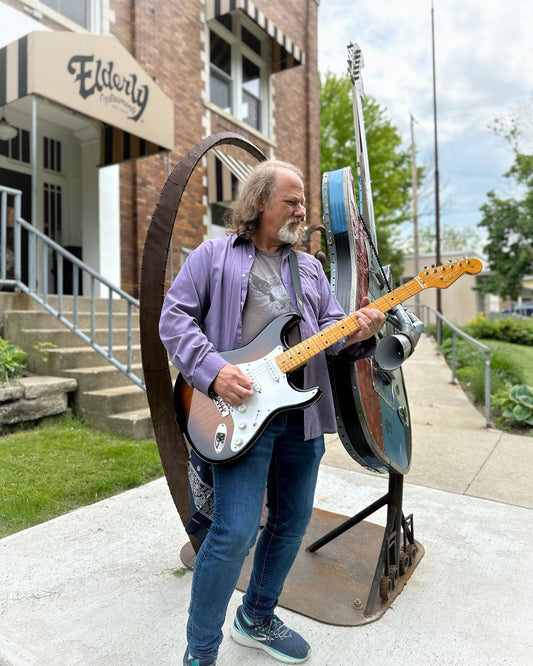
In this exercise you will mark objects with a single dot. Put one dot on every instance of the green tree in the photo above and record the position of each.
(509, 225)
(389, 163)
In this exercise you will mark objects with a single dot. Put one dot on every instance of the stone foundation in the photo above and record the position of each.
(33, 398)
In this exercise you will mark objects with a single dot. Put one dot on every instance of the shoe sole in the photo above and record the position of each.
(247, 641)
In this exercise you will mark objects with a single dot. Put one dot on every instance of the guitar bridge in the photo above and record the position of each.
(223, 408)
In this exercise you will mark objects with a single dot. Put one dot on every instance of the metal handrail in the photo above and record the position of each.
(38, 240)
(457, 332)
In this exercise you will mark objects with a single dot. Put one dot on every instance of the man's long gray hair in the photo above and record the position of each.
(243, 217)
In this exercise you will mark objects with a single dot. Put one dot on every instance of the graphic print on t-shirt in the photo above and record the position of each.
(267, 297)
(270, 294)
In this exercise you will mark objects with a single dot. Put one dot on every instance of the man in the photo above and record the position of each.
(228, 290)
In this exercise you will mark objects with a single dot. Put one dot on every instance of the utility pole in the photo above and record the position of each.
(414, 179)
(437, 201)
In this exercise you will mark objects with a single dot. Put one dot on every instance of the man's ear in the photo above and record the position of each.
(261, 205)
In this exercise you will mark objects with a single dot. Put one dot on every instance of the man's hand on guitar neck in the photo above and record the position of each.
(232, 385)
(370, 320)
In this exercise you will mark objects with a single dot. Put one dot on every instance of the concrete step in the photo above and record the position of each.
(38, 337)
(136, 424)
(105, 398)
(84, 303)
(56, 361)
(16, 320)
(113, 400)
(101, 377)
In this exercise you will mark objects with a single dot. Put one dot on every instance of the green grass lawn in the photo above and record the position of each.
(53, 469)
(520, 355)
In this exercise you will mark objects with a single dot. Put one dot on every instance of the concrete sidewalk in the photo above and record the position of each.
(105, 584)
(452, 448)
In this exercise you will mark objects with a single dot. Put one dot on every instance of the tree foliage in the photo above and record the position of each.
(509, 225)
(389, 163)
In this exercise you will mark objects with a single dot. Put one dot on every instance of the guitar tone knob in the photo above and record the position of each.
(241, 408)
(242, 425)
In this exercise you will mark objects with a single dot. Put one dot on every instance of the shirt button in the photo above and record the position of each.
(244, 274)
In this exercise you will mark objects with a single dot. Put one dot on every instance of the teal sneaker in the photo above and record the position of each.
(189, 660)
(272, 636)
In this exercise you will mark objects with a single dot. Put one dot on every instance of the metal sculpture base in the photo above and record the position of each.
(361, 567)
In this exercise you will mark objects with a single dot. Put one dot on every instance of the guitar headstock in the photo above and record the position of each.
(443, 276)
(355, 65)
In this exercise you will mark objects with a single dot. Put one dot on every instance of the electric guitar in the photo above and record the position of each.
(220, 433)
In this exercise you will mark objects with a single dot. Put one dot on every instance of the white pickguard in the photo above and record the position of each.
(272, 393)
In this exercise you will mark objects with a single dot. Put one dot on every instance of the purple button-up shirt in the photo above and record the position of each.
(202, 316)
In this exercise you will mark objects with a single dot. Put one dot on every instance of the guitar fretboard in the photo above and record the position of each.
(441, 277)
(301, 353)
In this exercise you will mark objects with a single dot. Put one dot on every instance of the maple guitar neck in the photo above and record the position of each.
(440, 277)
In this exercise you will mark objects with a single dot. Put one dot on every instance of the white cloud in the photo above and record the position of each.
(484, 62)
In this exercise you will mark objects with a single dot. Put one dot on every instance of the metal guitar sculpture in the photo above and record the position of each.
(370, 399)
(220, 433)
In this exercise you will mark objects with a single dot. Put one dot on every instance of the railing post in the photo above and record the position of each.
(110, 323)
(45, 273)
(59, 277)
(17, 245)
(488, 420)
(454, 355)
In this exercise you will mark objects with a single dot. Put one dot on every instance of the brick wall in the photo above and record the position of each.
(167, 40)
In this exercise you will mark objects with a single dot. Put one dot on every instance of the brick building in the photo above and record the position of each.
(108, 95)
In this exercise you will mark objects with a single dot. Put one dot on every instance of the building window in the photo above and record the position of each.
(18, 148)
(52, 211)
(238, 70)
(218, 228)
(75, 10)
(52, 154)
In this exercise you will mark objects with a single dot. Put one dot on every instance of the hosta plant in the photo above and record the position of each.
(517, 404)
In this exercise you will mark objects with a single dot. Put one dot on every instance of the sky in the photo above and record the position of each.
(484, 70)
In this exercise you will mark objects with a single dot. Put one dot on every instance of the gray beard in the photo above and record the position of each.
(286, 235)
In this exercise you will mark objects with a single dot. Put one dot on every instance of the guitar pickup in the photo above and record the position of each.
(272, 368)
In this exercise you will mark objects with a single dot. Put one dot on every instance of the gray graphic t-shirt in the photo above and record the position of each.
(267, 297)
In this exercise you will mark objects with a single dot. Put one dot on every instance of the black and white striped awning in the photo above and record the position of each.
(285, 53)
(224, 173)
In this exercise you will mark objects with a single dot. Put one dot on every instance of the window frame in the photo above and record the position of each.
(238, 50)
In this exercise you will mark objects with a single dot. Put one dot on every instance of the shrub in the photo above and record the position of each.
(11, 360)
(518, 331)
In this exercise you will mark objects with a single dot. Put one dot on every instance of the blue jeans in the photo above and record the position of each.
(288, 467)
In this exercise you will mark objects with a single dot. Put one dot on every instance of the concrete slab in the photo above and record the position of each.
(105, 585)
(506, 475)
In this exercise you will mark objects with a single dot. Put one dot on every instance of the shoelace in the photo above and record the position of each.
(277, 629)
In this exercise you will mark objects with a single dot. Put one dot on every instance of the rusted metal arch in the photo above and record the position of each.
(170, 441)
